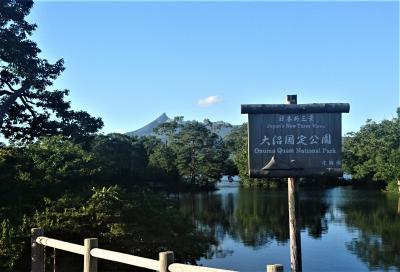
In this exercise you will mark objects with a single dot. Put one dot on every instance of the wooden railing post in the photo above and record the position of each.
(275, 268)
(89, 262)
(37, 250)
(398, 206)
(165, 258)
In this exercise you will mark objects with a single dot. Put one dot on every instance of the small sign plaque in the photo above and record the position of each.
(295, 140)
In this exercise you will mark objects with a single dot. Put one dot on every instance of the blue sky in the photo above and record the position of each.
(129, 62)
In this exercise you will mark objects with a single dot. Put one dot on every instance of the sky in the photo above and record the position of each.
(129, 62)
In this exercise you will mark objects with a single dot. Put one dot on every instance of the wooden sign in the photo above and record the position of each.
(298, 140)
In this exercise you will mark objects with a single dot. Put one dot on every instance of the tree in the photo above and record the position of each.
(121, 158)
(46, 168)
(59, 164)
(27, 108)
(200, 154)
(169, 129)
(15, 178)
(373, 153)
(150, 143)
(127, 222)
(163, 158)
(216, 127)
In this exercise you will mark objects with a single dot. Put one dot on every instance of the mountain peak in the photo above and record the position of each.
(220, 127)
(163, 118)
(149, 128)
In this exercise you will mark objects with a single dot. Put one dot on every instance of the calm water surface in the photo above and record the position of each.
(341, 229)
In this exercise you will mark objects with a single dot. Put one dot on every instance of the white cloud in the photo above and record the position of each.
(208, 101)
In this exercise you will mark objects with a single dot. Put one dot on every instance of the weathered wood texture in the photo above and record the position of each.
(295, 145)
(92, 253)
(294, 225)
(90, 262)
(398, 206)
(311, 172)
(294, 215)
(275, 268)
(398, 185)
(125, 258)
(165, 259)
(296, 108)
(177, 267)
(58, 244)
(37, 251)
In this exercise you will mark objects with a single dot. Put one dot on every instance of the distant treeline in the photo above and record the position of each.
(190, 156)
(184, 156)
(373, 153)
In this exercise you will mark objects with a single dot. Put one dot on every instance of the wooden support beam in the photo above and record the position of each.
(275, 268)
(165, 259)
(37, 251)
(89, 262)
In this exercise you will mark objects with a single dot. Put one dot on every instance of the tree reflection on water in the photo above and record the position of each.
(378, 225)
(256, 218)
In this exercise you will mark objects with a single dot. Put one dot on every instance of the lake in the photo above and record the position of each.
(342, 229)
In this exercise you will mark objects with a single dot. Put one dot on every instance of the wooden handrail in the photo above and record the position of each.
(164, 264)
(177, 267)
(58, 244)
(125, 258)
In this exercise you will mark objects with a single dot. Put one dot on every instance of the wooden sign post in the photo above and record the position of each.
(294, 214)
(291, 141)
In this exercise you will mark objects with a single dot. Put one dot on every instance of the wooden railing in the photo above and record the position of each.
(91, 253)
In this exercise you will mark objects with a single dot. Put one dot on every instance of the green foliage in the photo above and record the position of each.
(53, 177)
(241, 157)
(16, 181)
(392, 187)
(150, 143)
(230, 168)
(121, 158)
(28, 109)
(8, 247)
(58, 160)
(169, 129)
(200, 154)
(46, 168)
(163, 162)
(141, 223)
(373, 153)
(13, 244)
(192, 151)
(237, 138)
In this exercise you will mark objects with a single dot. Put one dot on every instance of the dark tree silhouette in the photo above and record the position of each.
(27, 108)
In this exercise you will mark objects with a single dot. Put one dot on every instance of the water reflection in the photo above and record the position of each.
(365, 226)
(378, 225)
(255, 217)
